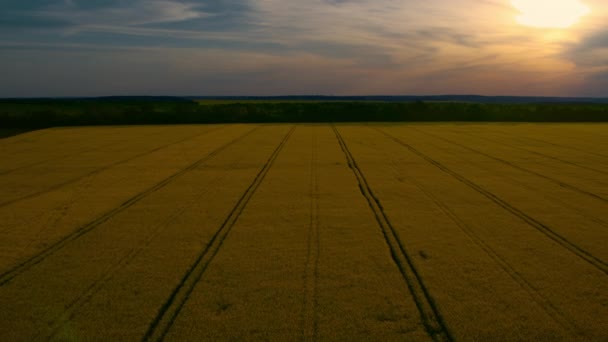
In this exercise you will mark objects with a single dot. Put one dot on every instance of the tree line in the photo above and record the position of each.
(51, 113)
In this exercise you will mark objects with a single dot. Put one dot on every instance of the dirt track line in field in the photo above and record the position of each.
(515, 166)
(4, 172)
(560, 160)
(8, 275)
(67, 155)
(429, 313)
(169, 311)
(70, 310)
(309, 312)
(77, 153)
(87, 181)
(536, 295)
(526, 186)
(541, 227)
(103, 168)
(535, 153)
(557, 145)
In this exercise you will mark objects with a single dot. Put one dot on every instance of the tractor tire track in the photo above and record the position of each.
(563, 161)
(8, 275)
(169, 311)
(560, 146)
(431, 318)
(64, 156)
(517, 181)
(544, 303)
(541, 227)
(68, 155)
(80, 301)
(65, 207)
(309, 312)
(508, 163)
(97, 171)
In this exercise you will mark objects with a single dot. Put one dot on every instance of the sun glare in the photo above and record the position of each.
(550, 14)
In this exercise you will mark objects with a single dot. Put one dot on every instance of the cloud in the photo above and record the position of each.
(590, 55)
(12, 21)
(176, 71)
(595, 40)
(81, 16)
(128, 14)
(592, 50)
(388, 27)
(294, 46)
(601, 76)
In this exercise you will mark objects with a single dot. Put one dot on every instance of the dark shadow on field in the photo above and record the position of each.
(9, 132)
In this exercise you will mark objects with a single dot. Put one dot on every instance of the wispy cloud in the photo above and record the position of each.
(592, 50)
(94, 15)
(316, 46)
(123, 14)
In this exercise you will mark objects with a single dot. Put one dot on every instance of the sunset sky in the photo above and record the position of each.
(288, 47)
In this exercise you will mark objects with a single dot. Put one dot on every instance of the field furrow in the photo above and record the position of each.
(309, 312)
(69, 176)
(578, 217)
(533, 222)
(79, 148)
(6, 276)
(351, 232)
(526, 247)
(256, 287)
(89, 267)
(58, 325)
(64, 214)
(172, 307)
(564, 140)
(597, 166)
(426, 207)
(431, 317)
(56, 145)
(535, 295)
(49, 144)
(515, 165)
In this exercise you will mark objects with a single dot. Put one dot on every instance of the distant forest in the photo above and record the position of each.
(41, 113)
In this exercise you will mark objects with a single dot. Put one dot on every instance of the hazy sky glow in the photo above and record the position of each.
(282, 47)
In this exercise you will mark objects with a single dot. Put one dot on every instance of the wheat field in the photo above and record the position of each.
(380, 232)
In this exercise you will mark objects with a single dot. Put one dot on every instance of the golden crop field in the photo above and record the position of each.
(489, 232)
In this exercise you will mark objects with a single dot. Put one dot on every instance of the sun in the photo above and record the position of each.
(550, 13)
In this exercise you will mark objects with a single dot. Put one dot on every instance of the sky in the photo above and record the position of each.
(294, 47)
